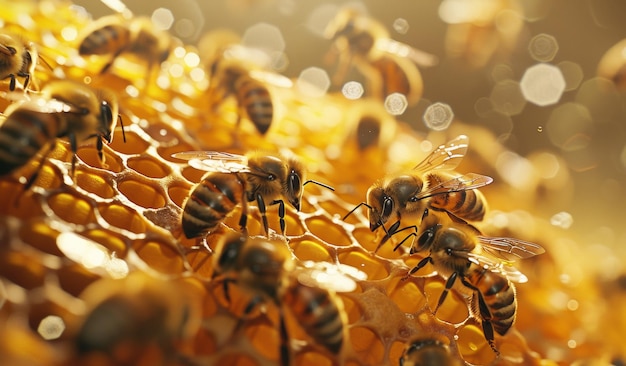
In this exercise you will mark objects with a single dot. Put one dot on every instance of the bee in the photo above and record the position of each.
(388, 65)
(236, 179)
(427, 351)
(270, 273)
(454, 249)
(404, 196)
(113, 36)
(18, 58)
(128, 319)
(64, 109)
(250, 87)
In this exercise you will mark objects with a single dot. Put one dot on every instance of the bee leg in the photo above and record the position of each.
(388, 233)
(251, 305)
(261, 204)
(281, 214)
(419, 265)
(74, 148)
(284, 339)
(26, 77)
(243, 220)
(33, 177)
(12, 82)
(486, 317)
(444, 294)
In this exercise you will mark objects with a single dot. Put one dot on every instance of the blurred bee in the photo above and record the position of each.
(388, 65)
(476, 37)
(251, 88)
(237, 179)
(454, 248)
(612, 65)
(268, 271)
(404, 196)
(427, 351)
(18, 58)
(64, 109)
(113, 36)
(129, 319)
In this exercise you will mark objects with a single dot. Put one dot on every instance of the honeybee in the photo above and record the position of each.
(236, 179)
(269, 272)
(137, 318)
(250, 87)
(454, 248)
(18, 58)
(388, 65)
(113, 35)
(64, 109)
(404, 196)
(427, 351)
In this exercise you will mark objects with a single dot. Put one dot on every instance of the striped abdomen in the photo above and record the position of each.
(257, 101)
(498, 304)
(210, 201)
(109, 39)
(467, 204)
(23, 134)
(317, 313)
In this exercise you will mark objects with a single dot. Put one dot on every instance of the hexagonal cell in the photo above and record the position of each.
(309, 250)
(38, 234)
(74, 278)
(178, 193)
(94, 182)
(71, 208)
(365, 263)
(122, 217)
(134, 144)
(24, 270)
(143, 193)
(113, 241)
(473, 346)
(407, 295)
(89, 156)
(149, 166)
(167, 151)
(367, 343)
(160, 256)
(327, 231)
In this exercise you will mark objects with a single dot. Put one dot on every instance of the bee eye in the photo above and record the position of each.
(106, 114)
(12, 50)
(271, 177)
(387, 206)
(294, 182)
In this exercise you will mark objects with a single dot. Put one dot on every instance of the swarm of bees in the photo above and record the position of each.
(432, 209)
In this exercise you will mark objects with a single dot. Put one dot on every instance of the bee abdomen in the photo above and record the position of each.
(499, 295)
(105, 40)
(258, 103)
(466, 204)
(22, 135)
(318, 314)
(210, 201)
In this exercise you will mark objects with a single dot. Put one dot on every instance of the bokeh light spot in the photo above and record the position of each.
(162, 18)
(396, 104)
(51, 327)
(313, 81)
(543, 47)
(543, 84)
(438, 116)
(401, 25)
(507, 97)
(562, 219)
(352, 90)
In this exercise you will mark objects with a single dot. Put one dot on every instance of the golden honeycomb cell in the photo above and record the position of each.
(89, 155)
(74, 278)
(134, 144)
(98, 184)
(22, 269)
(322, 228)
(38, 234)
(148, 166)
(161, 256)
(142, 193)
(123, 217)
(310, 250)
(71, 208)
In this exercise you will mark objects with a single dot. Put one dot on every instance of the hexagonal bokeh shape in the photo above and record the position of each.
(543, 47)
(543, 84)
(438, 116)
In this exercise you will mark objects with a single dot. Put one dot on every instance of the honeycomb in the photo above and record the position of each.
(112, 231)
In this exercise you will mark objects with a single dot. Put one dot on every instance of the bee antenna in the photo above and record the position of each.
(355, 208)
(119, 117)
(319, 184)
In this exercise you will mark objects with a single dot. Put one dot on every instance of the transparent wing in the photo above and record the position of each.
(336, 277)
(445, 157)
(43, 105)
(509, 248)
(400, 49)
(271, 78)
(215, 161)
(504, 267)
(462, 183)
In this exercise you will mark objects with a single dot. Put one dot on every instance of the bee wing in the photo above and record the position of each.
(44, 105)
(445, 157)
(499, 266)
(462, 183)
(400, 49)
(509, 248)
(336, 277)
(271, 78)
(215, 161)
